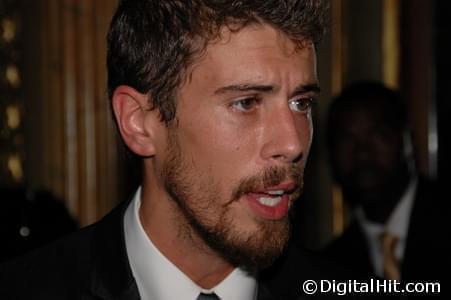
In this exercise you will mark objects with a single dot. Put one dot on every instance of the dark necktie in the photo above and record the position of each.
(211, 296)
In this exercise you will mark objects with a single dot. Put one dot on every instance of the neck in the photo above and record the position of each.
(379, 210)
(174, 237)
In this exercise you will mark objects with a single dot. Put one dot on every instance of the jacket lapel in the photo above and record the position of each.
(112, 277)
(264, 293)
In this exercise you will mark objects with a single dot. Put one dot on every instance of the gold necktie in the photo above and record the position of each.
(390, 262)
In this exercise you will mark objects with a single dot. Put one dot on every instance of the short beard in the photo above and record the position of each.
(198, 202)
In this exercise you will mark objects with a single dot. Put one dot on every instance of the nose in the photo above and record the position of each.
(363, 149)
(361, 152)
(287, 136)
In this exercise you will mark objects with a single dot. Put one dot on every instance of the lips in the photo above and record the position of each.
(272, 203)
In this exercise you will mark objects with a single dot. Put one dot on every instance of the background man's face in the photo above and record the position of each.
(237, 149)
(368, 154)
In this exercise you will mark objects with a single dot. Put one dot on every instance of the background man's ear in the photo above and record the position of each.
(131, 109)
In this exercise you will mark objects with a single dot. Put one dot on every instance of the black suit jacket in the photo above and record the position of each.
(90, 264)
(93, 264)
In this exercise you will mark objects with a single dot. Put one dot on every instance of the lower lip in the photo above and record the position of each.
(277, 212)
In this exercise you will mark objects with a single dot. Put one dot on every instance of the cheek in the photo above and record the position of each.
(218, 149)
(306, 132)
(344, 165)
(218, 134)
(389, 159)
(343, 158)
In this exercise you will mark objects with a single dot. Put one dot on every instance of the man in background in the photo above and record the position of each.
(397, 229)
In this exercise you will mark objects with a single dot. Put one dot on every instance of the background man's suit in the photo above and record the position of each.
(427, 255)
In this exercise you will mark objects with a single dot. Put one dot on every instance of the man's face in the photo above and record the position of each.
(368, 154)
(237, 149)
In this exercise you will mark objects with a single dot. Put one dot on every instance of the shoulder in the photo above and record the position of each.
(65, 267)
(349, 243)
(431, 209)
(285, 278)
(46, 269)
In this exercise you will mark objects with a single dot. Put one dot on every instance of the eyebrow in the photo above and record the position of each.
(303, 88)
(244, 88)
(306, 88)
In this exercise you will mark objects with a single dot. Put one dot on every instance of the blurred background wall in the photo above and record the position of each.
(56, 130)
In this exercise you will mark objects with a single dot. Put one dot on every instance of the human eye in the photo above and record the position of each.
(245, 104)
(301, 104)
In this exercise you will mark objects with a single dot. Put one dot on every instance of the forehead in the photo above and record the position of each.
(372, 112)
(255, 51)
(256, 35)
(359, 120)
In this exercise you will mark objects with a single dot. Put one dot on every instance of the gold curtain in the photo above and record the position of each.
(71, 141)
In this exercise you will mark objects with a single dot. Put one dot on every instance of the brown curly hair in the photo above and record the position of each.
(152, 43)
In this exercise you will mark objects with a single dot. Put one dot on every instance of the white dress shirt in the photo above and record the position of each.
(158, 278)
(397, 224)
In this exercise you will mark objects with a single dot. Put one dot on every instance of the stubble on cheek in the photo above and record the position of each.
(207, 220)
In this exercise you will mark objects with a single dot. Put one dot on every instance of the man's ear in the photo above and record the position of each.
(132, 111)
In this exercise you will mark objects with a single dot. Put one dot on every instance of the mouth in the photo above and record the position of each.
(272, 203)
(272, 199)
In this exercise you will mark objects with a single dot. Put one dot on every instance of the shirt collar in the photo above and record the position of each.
(399, 219)
(158, 278)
